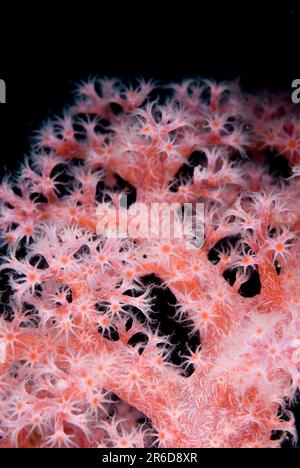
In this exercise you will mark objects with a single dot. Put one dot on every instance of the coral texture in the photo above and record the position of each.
(75, 298)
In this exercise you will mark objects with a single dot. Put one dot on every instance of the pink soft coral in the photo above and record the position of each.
(68, 283)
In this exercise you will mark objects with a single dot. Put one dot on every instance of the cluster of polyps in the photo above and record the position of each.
(70, 289)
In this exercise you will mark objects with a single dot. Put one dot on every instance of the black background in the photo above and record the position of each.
(42, 57)
(44, 54)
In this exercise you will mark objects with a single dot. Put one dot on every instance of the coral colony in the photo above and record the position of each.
(84, 361)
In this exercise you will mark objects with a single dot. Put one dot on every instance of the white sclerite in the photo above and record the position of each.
(2, 352)
(200, 173)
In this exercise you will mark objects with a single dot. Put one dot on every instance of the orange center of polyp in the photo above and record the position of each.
(166, 249)
(31, 277)
(104, 323)
(293, 144)
(28, 230)
(280, 247)
(64, 261)
(246, 260)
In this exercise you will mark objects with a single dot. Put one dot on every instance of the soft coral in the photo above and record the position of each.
(57, 365)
